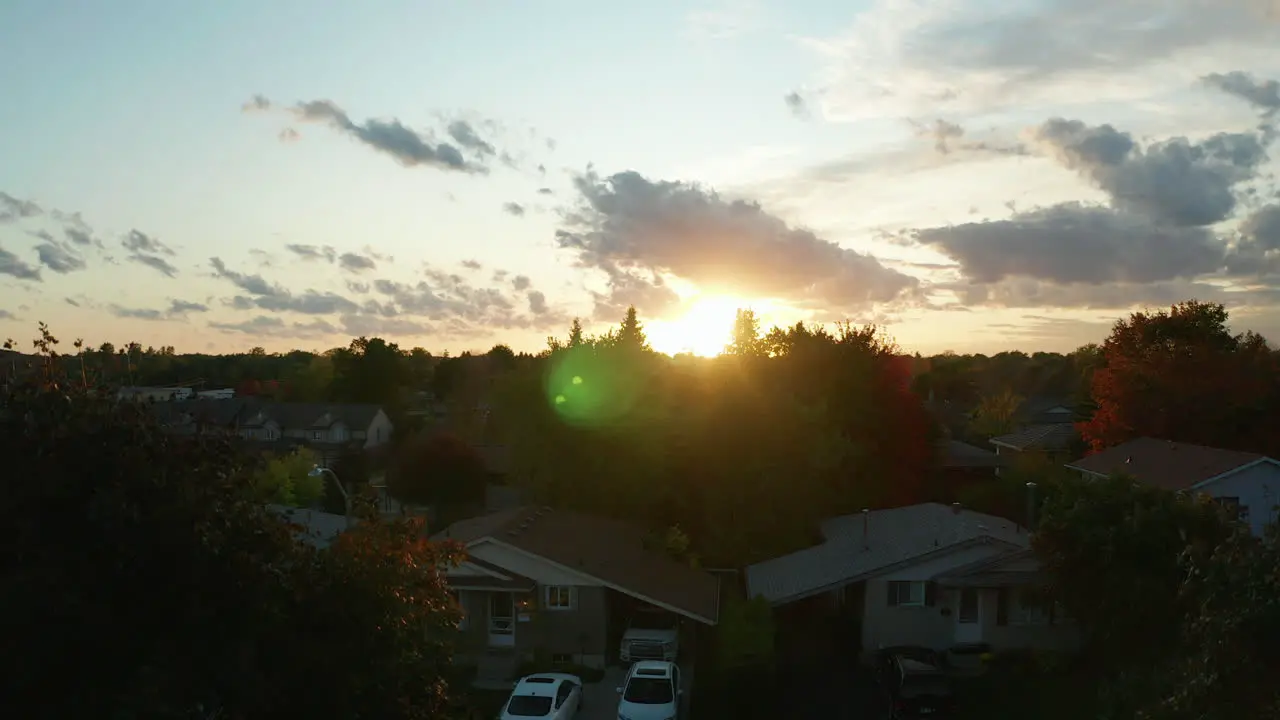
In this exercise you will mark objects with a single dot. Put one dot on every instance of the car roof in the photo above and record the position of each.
(652, 668)
(540, 685)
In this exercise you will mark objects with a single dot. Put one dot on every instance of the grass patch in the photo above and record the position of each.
(588, 674)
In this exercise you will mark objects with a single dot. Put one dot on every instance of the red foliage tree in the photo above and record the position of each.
(1182, 375)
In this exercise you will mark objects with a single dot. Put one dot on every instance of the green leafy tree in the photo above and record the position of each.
(143, 578)
(996, 414)
(1105, 543)
(287, 480)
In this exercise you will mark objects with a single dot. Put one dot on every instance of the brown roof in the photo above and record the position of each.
(1170, 465)
(610, 551)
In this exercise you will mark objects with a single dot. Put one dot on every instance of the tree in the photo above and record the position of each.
(1181, 375)
(1106, 542)
(995, 414)
(630, 333)
(370, 370)
(142, 578)
(287, 480)
(437, 468)
(746, 341)
(575, 334)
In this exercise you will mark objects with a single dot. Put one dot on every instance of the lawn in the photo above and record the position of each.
(1013, 691)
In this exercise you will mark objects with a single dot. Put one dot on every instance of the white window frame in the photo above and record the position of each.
(912, 587)
(559, 598)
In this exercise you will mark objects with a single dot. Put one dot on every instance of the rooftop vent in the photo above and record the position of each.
(956, 507)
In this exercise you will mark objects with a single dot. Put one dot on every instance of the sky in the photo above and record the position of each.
(972, 175)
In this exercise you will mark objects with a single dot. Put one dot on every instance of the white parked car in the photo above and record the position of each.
(544, 695)
(651, 634)
(651, 691)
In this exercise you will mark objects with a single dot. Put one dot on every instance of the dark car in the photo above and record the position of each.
(917, 683)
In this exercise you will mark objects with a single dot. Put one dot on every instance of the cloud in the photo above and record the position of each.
(538, 303)
(353, 262)
(157, 263)
(911, 57)
(139, 242)
(312, 252)
(1075, 243)
(1262, 94)
(456, 307)
(545, 191)
(521, 282)
(12, 208)
(796, 104)
(178, 309)
(253, 284)
(941, 132)
(393, 138)
(1173, 181)
(367, 325)
(80, 236)
(635, 230)
(472, 264)
(59, 258)
(14, 266)
(6, 315)
(275, 327)
(512, 208)
(288, 135)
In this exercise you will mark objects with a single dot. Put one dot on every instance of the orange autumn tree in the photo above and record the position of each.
(1182, 375)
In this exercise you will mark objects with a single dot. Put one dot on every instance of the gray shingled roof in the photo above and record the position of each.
(316, 528)
(1171, 465)
(1053, 437)
(893, 538)
(955, 454)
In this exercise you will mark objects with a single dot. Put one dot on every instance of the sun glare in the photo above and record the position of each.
(704, 330)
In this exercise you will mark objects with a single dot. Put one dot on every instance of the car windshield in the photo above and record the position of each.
(529, 705)
(653, 621)
(925, 685)
(648, 691)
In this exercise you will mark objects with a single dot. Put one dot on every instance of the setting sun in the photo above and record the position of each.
(703, 330)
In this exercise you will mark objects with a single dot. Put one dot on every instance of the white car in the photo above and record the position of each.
(544, 695)
(651, 691)
(651, 634)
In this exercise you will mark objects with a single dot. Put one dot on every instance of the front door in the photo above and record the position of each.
(969, 616)
(502, 620)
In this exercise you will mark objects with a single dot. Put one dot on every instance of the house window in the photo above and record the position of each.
(1027, 610)
(558, 597)
(1233, 506)
(316, 434)
(906, 593)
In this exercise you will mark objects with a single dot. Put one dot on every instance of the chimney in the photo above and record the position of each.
(955, 508)
(866, 521)
(1031, 507)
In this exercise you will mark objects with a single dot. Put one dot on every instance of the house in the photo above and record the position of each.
(329, 429)
(1246, 481)
(961, 466)
(930, 575)
(155, 394)
(313, 526)
(561, 584)
(1044, 429)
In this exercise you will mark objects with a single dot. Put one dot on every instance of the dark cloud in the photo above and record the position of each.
(253, 284)
(634, 230)
(405, 146)
(545, 191)
(521, 282)
(288, 135)
(6, 315)
(472, 264)
(157, 263)
(454, 306)
(538, 303)
(1262, 94)
(257, 103)
(796, 104)
(71, 301)
(512, 208)
(80, 235)
(12, 208)
(1074, 243)
(357, 287)
(139, 242)
(57, 257)
(353, 262)
(1262, 228)
(14, 266)
(464, 133)
(312, 252)
(1022, 292)
(177, 310)
(1173, 181)
(275, 327)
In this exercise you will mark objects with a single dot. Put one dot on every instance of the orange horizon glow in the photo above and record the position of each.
(704, 329)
